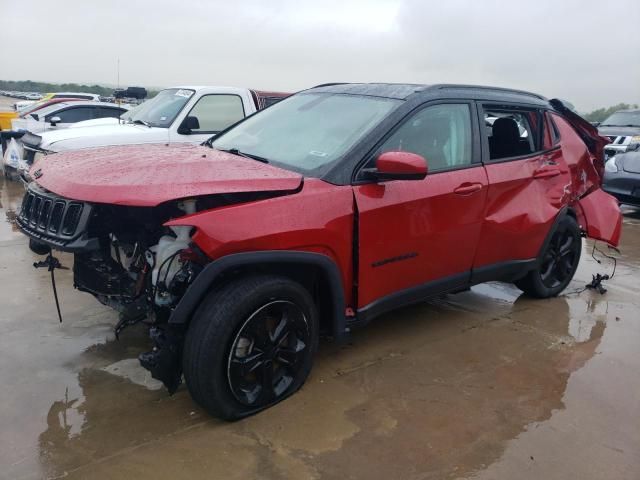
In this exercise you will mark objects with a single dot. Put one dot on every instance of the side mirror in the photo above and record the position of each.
(398, 166)
(54, 120)
(188, 124)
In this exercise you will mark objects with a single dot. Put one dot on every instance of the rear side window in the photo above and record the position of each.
(512, 132)
(553, 128)
(217, 112)
(268, 101)
(440, 133)
(106, 112)
(73, 115)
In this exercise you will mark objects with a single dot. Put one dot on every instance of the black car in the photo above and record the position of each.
(622, 176)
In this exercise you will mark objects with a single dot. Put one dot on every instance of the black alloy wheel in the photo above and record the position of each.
(268, 353)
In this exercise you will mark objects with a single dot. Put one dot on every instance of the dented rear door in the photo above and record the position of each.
(525, 195)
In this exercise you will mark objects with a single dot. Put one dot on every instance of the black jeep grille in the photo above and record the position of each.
(52, 219)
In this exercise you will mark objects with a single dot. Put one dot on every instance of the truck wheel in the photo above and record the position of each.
(558, 264)
(250, 345)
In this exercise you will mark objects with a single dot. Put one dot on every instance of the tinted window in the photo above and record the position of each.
(441, 134)
(106, 112)
(512, 133)
(62, 95)
(555, 133)
(268, 101)
(217, 112)
(73, 114)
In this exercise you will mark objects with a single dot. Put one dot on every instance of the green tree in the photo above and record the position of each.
(45, 87)
(602, 113)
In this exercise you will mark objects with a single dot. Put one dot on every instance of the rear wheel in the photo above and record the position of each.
(250, 345)
(558, 264)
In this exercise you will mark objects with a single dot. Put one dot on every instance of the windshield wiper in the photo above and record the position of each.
(141, 122)
(235, 151)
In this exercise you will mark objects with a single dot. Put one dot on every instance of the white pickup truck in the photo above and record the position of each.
(187, 114)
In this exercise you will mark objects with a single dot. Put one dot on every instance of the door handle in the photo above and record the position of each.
(546, 172)
(468, 188)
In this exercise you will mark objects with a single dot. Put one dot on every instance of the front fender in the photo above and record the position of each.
(205, 280)
(600, 217)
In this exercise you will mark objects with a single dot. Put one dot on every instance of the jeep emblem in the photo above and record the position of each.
(37, 174)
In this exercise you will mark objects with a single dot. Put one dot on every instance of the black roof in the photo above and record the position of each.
(402, 91)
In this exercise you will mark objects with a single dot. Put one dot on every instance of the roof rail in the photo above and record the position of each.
(481, 87)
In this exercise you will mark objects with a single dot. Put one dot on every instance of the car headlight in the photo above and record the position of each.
(611, 166)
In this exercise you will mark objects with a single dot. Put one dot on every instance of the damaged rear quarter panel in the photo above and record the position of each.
(601, 214)
(584, 175)
(317, 219)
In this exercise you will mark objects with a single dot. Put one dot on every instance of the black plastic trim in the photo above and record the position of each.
(409, 296)
(203, 282)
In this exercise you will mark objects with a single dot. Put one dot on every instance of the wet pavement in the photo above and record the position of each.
(485, 384)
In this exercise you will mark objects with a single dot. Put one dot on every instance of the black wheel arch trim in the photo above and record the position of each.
(203, 282)
(561, 215)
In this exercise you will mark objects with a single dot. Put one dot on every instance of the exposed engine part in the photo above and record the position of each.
(167, 263)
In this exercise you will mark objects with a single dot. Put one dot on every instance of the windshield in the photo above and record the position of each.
(307, 132)
(623, 119)
(161, 110)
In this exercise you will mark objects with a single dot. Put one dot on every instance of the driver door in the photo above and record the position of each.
(419, 237)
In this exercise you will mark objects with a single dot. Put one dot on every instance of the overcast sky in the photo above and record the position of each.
(585, 51)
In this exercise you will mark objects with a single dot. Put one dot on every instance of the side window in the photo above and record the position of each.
(441, 134)
(73, 115)
(106, 112)
(555, 133)
(512, 132)
(268, 101)
(217, 112)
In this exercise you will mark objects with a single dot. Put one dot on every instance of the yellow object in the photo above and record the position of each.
(5, 119)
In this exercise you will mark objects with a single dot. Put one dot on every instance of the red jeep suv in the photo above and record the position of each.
(315, 215)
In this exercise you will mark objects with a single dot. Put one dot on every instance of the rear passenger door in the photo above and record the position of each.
(419, 237)
(528, 184)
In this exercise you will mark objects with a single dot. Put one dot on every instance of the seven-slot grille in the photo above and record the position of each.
(52, 218)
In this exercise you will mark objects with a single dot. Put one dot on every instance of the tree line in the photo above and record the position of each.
(602, 113)
(45, 87)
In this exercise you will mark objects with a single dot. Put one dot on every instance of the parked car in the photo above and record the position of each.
(64, 114)
(622, 176)
(174, 115)
(21, 105)
(623, 129)
(320, 213)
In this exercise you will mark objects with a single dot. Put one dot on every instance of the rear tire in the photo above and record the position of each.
(558, 263)
(250, 345)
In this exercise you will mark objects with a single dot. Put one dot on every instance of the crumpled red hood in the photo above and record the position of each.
(147, 175)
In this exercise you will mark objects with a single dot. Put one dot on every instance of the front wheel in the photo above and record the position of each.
(250, 345)
(558, 264)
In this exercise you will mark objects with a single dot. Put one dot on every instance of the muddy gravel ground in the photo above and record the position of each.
(486, 384)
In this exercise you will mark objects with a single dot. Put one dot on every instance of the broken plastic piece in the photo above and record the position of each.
(596, 283)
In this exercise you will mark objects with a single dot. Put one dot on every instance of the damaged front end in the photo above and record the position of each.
(125, 258)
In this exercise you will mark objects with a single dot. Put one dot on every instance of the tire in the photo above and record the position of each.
(239, 357)
(558, 262)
